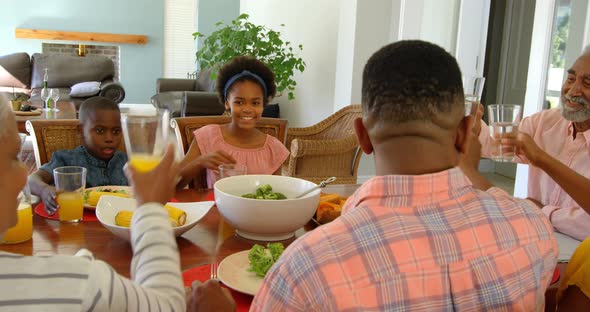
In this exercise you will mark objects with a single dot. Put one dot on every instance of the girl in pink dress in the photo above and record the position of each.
(245, 85)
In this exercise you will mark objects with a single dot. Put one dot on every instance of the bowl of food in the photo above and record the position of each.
(115, 214)
(263, 207)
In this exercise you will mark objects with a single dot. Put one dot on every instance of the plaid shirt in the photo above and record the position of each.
(429, 242)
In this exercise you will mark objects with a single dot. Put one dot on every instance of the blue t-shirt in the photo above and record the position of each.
(99, 172)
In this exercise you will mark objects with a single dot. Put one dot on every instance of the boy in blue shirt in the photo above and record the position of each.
(100, 121)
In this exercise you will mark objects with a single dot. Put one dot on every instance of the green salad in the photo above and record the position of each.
(261, 259)
(265, 192)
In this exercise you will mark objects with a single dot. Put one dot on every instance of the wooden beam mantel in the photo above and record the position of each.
(79, 36)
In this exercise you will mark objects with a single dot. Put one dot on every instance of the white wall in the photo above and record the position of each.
(338, 37)
(439, 23)
(314, 24)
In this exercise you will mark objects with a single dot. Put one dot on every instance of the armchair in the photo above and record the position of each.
(328, 148)
(188, 97)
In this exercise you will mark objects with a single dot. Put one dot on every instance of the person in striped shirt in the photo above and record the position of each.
(424, 234)
(81, 283)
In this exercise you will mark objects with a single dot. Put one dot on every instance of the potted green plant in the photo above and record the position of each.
(16, 100)
(242, 37)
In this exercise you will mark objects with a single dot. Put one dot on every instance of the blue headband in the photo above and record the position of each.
(240, 75)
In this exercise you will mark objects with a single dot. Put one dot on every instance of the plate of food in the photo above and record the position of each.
(115, 213)
(244, 271)
(93, 194)
(28, 110)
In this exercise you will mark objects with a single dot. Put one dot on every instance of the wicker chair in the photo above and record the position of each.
(328, 148)
(54, 135)
(185, 126)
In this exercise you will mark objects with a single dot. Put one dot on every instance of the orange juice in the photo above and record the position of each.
(143, 162)
(71, 206)
(23, 230)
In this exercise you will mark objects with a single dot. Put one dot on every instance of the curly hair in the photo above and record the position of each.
(240, 64)
(93, 104)
(411, 80)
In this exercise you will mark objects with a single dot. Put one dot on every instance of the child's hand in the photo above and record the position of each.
(48, 198)
(212, 161)
(166, 175)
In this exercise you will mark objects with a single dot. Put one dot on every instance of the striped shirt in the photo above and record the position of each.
(428, 242)
(66, 283)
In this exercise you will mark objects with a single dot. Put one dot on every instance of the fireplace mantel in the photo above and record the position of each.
(79, 36)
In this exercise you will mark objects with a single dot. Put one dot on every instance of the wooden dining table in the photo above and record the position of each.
(198, 246)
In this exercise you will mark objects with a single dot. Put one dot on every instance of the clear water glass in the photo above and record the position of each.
(473, 89)
(504, 120)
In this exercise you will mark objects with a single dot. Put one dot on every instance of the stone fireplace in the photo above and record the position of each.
(112, 52)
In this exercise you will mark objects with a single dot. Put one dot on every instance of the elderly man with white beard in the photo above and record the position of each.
(556, 145)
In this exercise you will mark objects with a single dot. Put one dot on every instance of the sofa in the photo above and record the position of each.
(23, 74)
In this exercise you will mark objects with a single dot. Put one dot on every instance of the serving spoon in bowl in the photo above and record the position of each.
(322, 184)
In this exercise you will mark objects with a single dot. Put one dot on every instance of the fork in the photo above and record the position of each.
(213, 268)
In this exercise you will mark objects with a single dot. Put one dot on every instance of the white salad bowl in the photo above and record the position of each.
(265, 220)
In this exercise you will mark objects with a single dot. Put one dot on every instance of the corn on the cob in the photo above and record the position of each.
(93, 196)
(123, 218)
(177, 216)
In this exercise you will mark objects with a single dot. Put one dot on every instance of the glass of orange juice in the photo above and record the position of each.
(145, 137)
(70, 182)
(23, 230)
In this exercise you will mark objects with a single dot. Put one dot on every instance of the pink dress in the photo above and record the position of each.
(264, 160)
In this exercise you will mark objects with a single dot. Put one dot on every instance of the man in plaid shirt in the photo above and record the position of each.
(424, 234)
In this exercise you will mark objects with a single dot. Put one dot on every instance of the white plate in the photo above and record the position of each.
(108, 207)
(233, 272)
(128, 190)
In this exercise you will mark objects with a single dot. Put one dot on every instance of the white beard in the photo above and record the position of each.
(574, 115)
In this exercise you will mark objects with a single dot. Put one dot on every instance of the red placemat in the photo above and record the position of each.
(555, 277)
(202, 273)
(89, 215)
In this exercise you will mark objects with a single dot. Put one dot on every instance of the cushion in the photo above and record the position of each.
(85, 89)
(15, 70)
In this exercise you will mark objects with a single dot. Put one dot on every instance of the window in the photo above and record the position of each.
(557, 60)
(179, 46)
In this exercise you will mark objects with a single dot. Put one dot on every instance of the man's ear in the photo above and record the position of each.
(363, 136)
(463, 134)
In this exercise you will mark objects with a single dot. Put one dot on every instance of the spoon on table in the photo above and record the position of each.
(322, 184)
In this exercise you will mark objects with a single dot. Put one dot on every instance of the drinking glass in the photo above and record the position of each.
(146, 136)
(70, 182)
(54, 94)
(472, 88)
(230, 170)
(45, 96)
(23, 230)
(504, 120)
